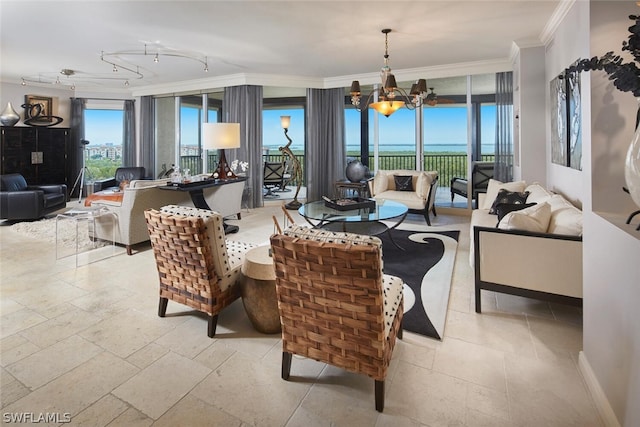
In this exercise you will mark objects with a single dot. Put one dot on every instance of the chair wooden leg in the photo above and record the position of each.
(286, 365)
(379, 395)
(399, 335)
(129, 251)
(213, 322)
(162, 307)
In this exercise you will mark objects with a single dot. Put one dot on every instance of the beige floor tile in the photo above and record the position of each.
(193, 412)
(471, 362)
(14, 353)
(18, 321)
(102, 299)
(550, 394)
(131, 418)
(419, 354)
(215, 355)
(48, 333)
(78, 389)
(11, 389)
(126, 332)
(487, 401)
(100, 413)
(474, 418)
(386, 420)
(243, 379)
(501, 331)
(427, 396)
(550, 333)
(55, 292)
(518, 305)
(163, 383)
(188, 339)
(8, 306)
(41, 367)
(147, 355)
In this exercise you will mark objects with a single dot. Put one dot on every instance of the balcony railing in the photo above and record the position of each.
(447, 165)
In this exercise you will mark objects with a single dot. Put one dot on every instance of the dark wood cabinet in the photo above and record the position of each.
(40, 154)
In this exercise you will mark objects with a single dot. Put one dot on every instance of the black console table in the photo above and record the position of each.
(195, 190)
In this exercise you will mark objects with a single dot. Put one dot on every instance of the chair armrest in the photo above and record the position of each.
(102, 184)
(55, 189)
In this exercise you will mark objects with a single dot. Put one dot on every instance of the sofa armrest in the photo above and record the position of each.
(21, 204)
(103, 184)
(537, 263)
(55, 189)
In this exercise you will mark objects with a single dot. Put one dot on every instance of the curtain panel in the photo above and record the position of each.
(243, 104)
(503, 169)
(325, 151)
(147, 131)
(76, 149)
(129, 133)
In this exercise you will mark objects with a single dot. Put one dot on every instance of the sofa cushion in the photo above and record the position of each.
(502, 209)
(535, 218)
(537, 193)
(379, 182)
(403, 182)
(565, 218)
(495, 186)
(408, 198)
(509, 197)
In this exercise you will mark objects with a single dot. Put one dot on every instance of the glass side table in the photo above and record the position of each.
(75, 235)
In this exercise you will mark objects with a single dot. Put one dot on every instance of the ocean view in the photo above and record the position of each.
(404, 148)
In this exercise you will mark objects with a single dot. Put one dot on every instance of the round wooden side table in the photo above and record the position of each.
(258, 290)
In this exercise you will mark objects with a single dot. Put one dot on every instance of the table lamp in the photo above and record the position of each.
(220, 136)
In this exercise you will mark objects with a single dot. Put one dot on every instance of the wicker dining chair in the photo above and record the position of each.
(336, 305)
(196, 265)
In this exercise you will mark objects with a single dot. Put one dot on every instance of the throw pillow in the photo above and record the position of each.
(124, 184)
(403, 182)
(510, 197)
(502, 209)
(535, 218)
(495, 186)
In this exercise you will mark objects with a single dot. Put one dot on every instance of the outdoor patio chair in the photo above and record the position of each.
(273, 178)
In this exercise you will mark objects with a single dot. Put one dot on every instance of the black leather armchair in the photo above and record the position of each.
(21, 201)
(122, 174)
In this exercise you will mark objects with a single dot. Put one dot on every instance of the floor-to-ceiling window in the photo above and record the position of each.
(103, 128)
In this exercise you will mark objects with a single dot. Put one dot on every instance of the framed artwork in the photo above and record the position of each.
(575, 121)
(40, 107)
(559, 121)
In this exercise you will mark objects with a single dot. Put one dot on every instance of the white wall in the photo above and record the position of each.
(611, 254)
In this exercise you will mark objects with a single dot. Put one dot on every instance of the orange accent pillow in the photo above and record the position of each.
(124, 184)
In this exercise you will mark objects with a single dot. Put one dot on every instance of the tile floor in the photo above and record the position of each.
(87, 342)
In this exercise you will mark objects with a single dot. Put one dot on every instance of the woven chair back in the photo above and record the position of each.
(331, 303)
(185, 263)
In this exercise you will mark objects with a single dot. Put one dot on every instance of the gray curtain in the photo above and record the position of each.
(147, 131)
(129, 133)
(503, 170)
(325, 151)
(243, 104)
(76, 149)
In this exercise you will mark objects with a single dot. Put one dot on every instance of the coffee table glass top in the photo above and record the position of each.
(384, 210)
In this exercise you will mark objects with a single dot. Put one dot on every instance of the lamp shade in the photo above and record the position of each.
(387, 108)
(285, 121)
(220, 135)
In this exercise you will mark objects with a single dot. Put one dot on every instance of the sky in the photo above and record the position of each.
(443, 126)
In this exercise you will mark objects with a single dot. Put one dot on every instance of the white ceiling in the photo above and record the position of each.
(307, 40)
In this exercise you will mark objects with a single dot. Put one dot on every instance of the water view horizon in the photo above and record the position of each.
(395, 148)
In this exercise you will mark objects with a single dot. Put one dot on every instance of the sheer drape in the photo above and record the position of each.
(76, 149)
(129, 133)
(147, 131)
(503, 170)
(325, 152)
(243, 104)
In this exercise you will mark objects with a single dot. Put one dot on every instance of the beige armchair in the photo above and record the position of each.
(130, 227)
(419, 199)
(197, 266)
(336, 305)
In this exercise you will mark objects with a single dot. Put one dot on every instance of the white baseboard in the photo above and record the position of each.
(599, 398)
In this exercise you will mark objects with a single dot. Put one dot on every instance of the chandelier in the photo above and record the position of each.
(390, 97)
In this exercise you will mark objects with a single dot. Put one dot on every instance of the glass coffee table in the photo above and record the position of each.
(360, 221)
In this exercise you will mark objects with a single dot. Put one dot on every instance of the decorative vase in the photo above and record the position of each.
(9, 116)
(356, 171)
(632, 167)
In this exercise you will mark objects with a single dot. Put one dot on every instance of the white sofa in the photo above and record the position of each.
(419, 200)
(534, 252)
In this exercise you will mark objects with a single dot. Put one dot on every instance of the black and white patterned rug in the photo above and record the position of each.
(426, 266)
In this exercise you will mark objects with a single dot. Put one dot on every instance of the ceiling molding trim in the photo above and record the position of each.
(229, 80)
(520, 44)
(556, 19)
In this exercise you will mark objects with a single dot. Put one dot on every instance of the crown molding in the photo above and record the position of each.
(556, 19)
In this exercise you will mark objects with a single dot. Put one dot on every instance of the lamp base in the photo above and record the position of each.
(223, 171)
(293, 205)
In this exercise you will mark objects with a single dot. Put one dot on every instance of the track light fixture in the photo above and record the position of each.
(157, 51)
(390, 97)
